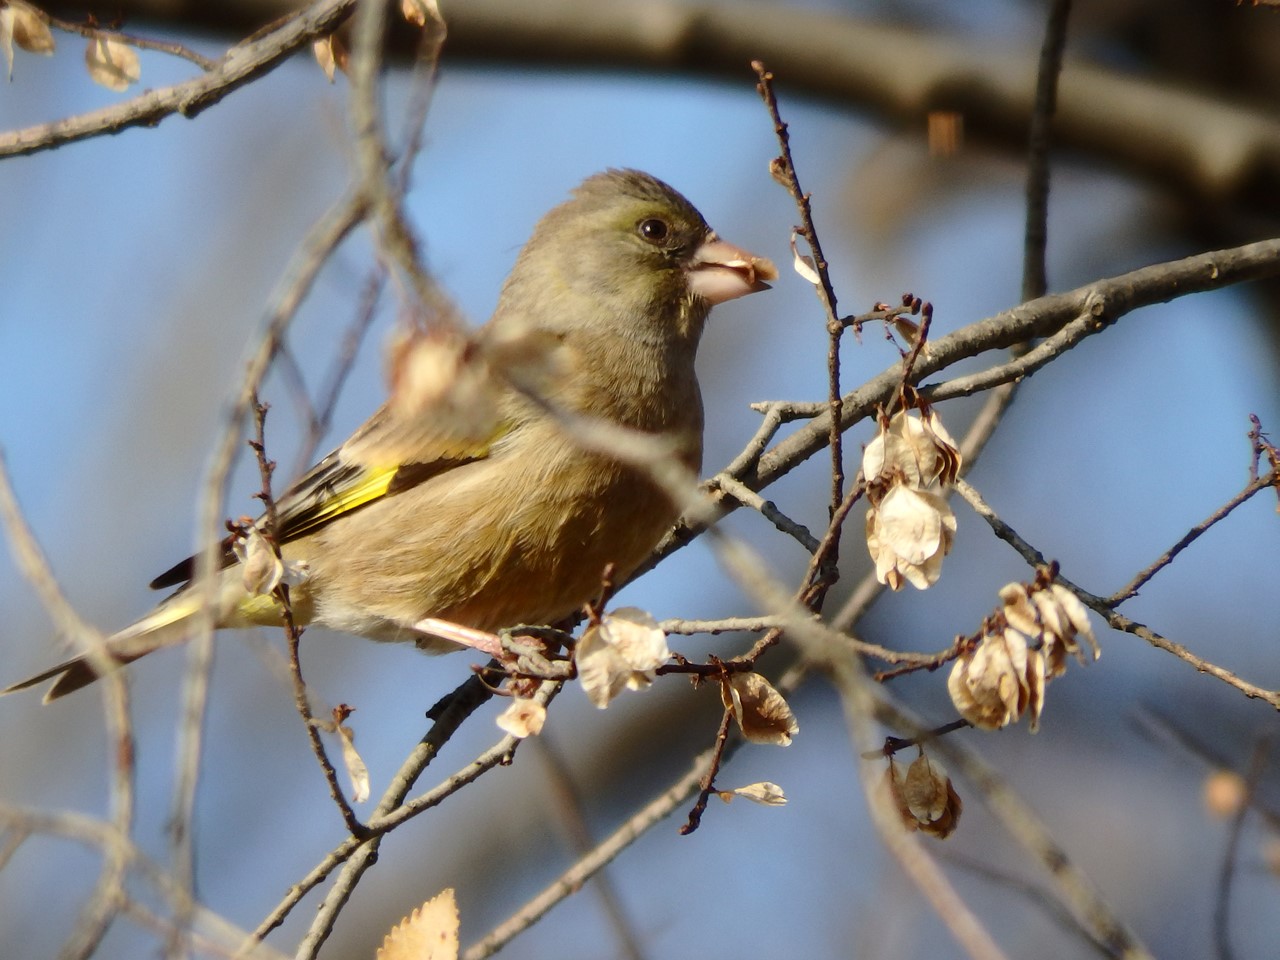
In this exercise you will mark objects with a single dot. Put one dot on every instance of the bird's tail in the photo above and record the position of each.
(164, 626)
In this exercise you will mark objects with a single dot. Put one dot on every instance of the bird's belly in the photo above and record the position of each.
(493, 553)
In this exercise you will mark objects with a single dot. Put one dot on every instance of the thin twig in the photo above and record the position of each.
(569, 808)
(783, 169)
(768, 509)
(1226, 876)
(707, 785)
(142, 43)
(392, 809)
(293, 287)
(1103, 301)
(860, 706)
(390, 812)
(326, 402)
(397, 243)
(293, 631)
(101, 835)
(1035, 240)
(1131, 589)
(242, 65)
(639, 823)
(98, 913)
(893, 745)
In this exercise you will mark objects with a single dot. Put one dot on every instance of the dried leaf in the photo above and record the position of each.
(331, 53)
(1019, 612)
(996, 683)
(30, 30)
(523, 718)
(924, 788)
(764, 793)
(915, 451)
(112, 64)
(351, 759)
(763, 715)
(429, 933)
(803, 264)
(261, 567)
(1037, 675)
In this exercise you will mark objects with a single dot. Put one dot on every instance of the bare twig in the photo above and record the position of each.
(391, 811)
(569, 808)
(639, 823)
(707, 785)
(170, 47)
(1131, 589)
(783, 169)
(240, 66)
(767, 509)
(1034, 282)
(859, 708)
(1104, 302)
(293, 632)
(101, 909)
(1226, 877)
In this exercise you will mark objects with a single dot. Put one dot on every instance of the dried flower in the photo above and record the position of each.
(761, 711)
(908, 534)
(910, 526)
(620, 652)
(926, 799)
(262, 570)
(523, 718)
(1004, 675)
(914, 450)
(1051, 617)
(993, 684)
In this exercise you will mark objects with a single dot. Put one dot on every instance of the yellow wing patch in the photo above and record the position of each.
(343, 500)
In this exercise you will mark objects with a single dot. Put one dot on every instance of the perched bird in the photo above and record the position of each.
(507, 521)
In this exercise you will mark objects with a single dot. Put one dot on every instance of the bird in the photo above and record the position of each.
(494, 521)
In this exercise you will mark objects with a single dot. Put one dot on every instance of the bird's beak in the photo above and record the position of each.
(719, 271)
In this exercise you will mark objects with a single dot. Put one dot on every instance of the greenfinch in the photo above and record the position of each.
(420, 515)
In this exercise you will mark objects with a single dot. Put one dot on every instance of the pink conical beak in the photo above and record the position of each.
(720, 271)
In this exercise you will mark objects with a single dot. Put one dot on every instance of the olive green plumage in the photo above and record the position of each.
(410, 519)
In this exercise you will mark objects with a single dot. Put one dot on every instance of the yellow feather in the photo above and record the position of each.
(367, 490)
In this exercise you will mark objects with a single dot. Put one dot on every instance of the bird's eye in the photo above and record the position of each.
(654, 230)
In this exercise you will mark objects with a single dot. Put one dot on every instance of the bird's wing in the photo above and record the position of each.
(384, 457)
